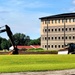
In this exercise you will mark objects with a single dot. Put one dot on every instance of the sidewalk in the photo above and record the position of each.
(61, 72)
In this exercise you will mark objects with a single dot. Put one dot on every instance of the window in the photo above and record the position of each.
(73, 37)
(48, 30)
(62, 37)
(62, 29)
(47, 21)
(69, 20)
(45, 46)
(69, 37)
(66, 20)
(45, 30)
(45, 38)
(66, 37)
(48, 38)
(55, 21)
(73, 19)
(55, 46)
(62, 46)
(69, 29)
(62, 20)
(59, 21)
(55, 38)
(52, 21)
(66, 29)
(52, 38)
(58, 46)
(52, 30)
(52, 46)
(55, 29)
(59, 38)
(42, 21)
(73, 29)
(59, 29)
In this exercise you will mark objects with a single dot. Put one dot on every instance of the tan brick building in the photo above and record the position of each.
(57, 31)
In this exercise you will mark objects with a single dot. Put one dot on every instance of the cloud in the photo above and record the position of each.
(17, 14)
(73, 1)
(72, 7)
(26, 4)
(37, 4)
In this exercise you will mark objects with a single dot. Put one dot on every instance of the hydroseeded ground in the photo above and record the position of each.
(24, 63)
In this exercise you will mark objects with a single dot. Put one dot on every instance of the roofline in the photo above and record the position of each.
(59, 16)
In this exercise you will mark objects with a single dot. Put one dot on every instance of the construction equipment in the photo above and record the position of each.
(10, 35)
(70, 47)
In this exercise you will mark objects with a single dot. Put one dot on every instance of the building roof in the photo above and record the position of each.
(59, 16)
(26, 47)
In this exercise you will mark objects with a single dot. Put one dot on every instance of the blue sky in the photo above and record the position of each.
(23, 15)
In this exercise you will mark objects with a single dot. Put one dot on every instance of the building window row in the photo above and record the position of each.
(59, 29)
(59, 38)
(53, 46)
(59, 20)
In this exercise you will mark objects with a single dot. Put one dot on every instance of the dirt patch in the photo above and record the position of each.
(61, 72)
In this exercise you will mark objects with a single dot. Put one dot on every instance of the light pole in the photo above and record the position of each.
(64, 31)
(47, 22)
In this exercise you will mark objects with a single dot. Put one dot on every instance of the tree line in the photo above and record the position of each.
(19, 39)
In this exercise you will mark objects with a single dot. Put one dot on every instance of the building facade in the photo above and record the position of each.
(57, 31)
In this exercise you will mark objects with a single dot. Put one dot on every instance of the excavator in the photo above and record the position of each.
(10, 35)
(70, 47)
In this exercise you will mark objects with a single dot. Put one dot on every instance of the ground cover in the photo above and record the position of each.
(40, 62)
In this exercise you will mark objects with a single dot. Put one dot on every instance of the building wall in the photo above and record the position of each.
(56, 32)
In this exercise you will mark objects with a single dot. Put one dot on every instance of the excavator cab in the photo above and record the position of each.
(10, 35)
(71, 48)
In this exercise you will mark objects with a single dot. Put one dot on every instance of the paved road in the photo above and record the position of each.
(61, 72)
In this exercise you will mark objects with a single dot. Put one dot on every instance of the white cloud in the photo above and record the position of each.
(15, 14)
(73, 1)
(72, 7)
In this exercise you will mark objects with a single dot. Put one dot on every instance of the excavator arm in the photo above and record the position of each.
(10, 35)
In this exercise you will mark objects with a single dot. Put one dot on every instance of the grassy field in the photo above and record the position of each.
(23, 63)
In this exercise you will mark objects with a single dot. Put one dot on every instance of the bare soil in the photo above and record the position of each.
(60, 72)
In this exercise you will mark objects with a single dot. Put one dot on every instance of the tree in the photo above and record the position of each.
(27, 40)
(21, 39)
(4, 44)
(34, 42)
(0, 43)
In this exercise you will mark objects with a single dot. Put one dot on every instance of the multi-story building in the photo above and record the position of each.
(57, 31)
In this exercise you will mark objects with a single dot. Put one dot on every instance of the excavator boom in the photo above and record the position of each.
(2, 30)
(10, 35)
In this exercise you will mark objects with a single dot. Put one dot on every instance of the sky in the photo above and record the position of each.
(22, 16)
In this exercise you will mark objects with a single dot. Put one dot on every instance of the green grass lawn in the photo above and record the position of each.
(24, 63)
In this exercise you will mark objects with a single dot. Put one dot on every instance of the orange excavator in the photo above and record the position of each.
(10, 35)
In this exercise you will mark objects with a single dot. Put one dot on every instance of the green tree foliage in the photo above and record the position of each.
(5, 44)
(21, 39)
(34, 42)
(0, 42)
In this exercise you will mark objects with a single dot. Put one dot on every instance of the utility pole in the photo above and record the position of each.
(47, 21)
(64, 31)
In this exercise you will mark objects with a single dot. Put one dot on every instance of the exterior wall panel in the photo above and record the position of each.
(56, 32)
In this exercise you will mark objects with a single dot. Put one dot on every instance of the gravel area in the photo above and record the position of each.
(61, 72)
